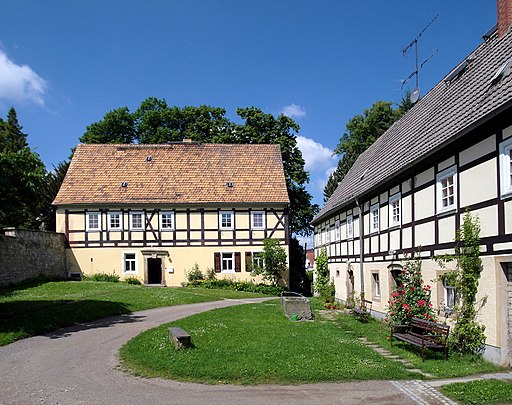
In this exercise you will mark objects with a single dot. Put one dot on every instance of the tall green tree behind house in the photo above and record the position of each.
(21, 176)
(361, 131)
(155, 121)
(51, 185)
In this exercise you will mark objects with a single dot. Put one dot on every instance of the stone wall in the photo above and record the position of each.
(27, 253)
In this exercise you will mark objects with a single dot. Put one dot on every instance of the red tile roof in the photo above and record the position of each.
(180, 173)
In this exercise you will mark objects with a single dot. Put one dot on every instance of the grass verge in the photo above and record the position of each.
(256, 344)
(434, 363)
(481, 392)
(32, 309)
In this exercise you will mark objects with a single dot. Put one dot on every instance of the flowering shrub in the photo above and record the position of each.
(411, 298)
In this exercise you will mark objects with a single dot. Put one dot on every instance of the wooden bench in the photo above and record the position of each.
(180, 338)
(363, 311)
(424, 334)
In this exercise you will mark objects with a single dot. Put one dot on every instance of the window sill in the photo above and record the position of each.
(376, 298)
(447, 212)
(506, 195)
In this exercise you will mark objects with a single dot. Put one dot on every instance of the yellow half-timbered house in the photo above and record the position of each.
(154, 211)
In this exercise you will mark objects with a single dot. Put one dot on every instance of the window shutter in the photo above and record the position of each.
(238, 262)
(216, 261)
(248, 261)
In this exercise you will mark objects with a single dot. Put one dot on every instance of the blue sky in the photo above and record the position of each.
(64, 64)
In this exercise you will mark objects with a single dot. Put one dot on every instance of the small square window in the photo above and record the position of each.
(167, 220)
(449, 296)
(395, 214)
(226, 219)
(114, 221)
(337, 230)
(350, 227)
(93, 221)
(374, 218)
(129, 262)
(446, 184)
(136, 220)
(257, 260)
(227, 262)
(375, 285)
(257, 218)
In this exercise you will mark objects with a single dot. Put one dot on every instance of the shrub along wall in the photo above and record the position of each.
(26, 254)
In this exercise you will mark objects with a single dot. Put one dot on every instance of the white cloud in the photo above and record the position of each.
(317, 156)
(293, 110)
(20, 82)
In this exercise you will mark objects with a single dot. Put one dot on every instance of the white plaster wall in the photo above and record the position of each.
(482, 148)
(423, 203)
(480, 183)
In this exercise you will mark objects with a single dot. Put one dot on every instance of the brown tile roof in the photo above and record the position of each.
(449, 111)
(180, 173)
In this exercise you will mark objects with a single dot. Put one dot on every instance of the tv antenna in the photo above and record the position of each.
(415, 93)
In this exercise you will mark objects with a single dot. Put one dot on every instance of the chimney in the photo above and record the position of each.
(187, 140)
(504, 16)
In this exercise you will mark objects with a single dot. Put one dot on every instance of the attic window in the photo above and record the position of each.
(149, 158)
(124, 184)
(458, 72)
(229, 184)
(503, 71)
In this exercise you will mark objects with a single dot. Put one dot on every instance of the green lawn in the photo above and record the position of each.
(481, 392)
(256, 344)
(32, 309)
(434, 363)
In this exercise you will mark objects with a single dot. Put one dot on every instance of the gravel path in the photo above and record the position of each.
(79, 365)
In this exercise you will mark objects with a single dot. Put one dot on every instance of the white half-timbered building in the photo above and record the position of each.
(451, 152)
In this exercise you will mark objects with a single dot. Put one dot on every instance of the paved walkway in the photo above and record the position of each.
(79, 365)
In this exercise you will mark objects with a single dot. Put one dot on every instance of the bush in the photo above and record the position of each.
(109, 278)
(412, 298)
(245, 286)
(194, 274)
(132, 280)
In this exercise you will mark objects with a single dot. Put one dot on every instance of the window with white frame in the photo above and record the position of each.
(227, 262)
(374, 218)
(449, 295)
(136, 220)
(257, 260)
(129, 262)
(337, 230)
(506, 168)
(93, 221)
(166, 220)
(114, 221)
(446, 190)
(395, 214)
(327, 234)
(258, 219)
(375, 285)
(226, 219)
(350, 227)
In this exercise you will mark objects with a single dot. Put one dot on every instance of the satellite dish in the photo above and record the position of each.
(415, 95)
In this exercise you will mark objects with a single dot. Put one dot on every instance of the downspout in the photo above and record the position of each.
(361, 247)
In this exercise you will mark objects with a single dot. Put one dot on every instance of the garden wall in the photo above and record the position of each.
(28, 253)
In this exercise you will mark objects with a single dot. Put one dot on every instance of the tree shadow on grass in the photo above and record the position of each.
(21, 319)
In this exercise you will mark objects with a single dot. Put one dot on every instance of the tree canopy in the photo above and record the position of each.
(361, 131)
(156, 122)
(21, 176)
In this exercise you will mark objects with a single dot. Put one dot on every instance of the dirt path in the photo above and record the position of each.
(79, 365)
